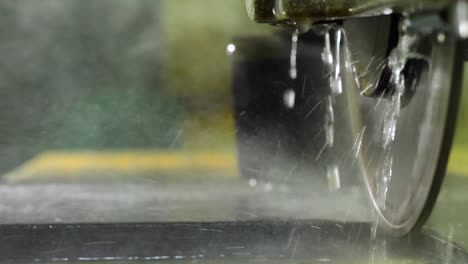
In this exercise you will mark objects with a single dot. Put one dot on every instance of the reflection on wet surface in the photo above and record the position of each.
(212, 224)
(149, 201)
(221, 242)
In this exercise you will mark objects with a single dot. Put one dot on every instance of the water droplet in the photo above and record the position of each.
(252, 183)
(289, 98)
(441, 37)
(333, 177)
(230, 49)
(327, 56)
(278, 9)
(387, 11)
(330, 123)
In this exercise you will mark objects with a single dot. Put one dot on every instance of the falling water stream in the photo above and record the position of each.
(339, 66)
(293, 60)
(338, 62)
(334, 55)
(331, 57)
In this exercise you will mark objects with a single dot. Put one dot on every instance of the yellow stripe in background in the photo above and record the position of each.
(63, 165)
(60, 165)
(458, 162)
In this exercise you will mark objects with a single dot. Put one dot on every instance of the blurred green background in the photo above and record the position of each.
(450, 216)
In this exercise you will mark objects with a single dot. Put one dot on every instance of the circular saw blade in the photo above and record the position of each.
(405, 146)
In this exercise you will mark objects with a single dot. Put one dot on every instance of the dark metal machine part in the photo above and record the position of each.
(298, 11)
(249, 242)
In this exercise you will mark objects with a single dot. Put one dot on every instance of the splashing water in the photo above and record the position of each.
(338, 62)
(391, 114)
(392, 111)
(378, 252)
(358, 145)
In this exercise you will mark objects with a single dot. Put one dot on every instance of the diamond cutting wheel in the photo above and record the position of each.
(394, 86)
(404, 138)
